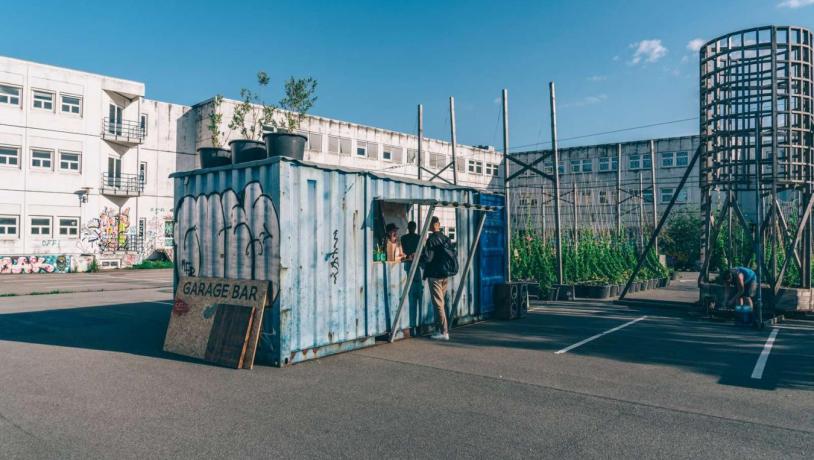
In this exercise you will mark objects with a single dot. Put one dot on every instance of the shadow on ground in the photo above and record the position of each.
(135, 328)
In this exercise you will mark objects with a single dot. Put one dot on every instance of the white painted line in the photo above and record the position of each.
(757, 373)
(566, 349)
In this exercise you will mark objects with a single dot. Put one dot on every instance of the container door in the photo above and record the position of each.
(491, 253)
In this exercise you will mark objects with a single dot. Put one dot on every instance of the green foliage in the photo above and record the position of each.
(593, 258)
(681, 241)
(215, 118)
(152, 264)
(252, 113)
(94, 266)
(298, 100)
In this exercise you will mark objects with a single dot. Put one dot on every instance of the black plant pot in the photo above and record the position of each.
(212, 157)
(244, 150)
(534, 290)
(634, 287)
(581, 291)
(564, 291)
(284, 144)
(614, 290)
(597, 291)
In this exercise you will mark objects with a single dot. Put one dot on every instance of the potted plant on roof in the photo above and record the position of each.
(215, 155)
(248, 118)
(298, 100)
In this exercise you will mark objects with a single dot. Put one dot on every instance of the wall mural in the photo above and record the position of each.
(230, 235)
(35, 264)
(106, 233)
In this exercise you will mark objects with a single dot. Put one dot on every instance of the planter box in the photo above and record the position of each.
(597, 291)
(564, 291)
(615, 290)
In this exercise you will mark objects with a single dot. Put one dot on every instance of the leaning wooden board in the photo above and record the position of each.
(217, 320)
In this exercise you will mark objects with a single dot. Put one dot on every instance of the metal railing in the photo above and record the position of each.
(122, 184)
(123, 130)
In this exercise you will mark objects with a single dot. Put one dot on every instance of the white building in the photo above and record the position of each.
(84, 161)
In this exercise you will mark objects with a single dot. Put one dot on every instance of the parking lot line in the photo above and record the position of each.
(569, 348)
(757, 373)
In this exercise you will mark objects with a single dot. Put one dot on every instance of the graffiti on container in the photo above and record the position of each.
(230, 235)
(333, 257)
(35, 264)
(108, 232)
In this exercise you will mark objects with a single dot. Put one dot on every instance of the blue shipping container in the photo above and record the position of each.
(309, 230)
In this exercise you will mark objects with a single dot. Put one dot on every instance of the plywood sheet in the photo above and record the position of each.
(213, 318)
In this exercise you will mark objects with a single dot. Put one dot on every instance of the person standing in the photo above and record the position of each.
(392, 245)
(440, 262)
(409, 242)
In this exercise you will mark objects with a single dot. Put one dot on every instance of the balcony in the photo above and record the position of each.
(122, 185)
(123, 131)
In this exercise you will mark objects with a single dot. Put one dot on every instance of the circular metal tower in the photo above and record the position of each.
(756, 136)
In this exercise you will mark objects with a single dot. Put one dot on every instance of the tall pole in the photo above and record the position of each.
(556, 154)
(758, 241)
(574, 222)
(507, 271)
(619, 189)
(420, 137)
(641, 211)
(454, 140)
(653, 187)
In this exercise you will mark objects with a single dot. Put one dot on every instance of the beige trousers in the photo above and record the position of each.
(438, 289)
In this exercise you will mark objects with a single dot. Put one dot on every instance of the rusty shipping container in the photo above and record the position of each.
(310, 231)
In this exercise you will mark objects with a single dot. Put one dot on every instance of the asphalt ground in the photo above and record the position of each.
(61, 283)
(83, 376)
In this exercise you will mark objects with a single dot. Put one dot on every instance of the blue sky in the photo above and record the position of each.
(375, 61)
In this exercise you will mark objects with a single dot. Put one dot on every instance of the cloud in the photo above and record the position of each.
(596, 78)
(794, 4)
(648, 51)
(587, 100)
(497, 100)
(616, 58)
(695, 44)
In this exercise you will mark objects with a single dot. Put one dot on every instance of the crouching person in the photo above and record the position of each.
(440, 262)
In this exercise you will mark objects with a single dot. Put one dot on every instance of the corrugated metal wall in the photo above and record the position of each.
(309, 230)
(491, 253)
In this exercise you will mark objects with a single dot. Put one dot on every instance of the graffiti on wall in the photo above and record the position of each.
(35, 264)
(230, 235)
(333, 257)
(106, 233)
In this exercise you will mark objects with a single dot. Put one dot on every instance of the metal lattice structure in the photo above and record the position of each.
(756, 146)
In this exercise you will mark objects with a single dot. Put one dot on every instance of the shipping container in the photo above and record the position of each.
(312, 232)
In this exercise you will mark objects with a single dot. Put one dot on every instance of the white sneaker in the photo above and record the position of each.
(439, 336)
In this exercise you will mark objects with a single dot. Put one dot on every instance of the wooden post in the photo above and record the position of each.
(507, 271)
(556, 154)
(653, 187)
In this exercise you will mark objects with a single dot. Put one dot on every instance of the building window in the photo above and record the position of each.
(412, 155)
(439, 160)
(667, 159)
(527, 202)
(68, 226)
(667, 194)
(587, 197)
(8, 226)
(43, 100)
(647, 195)
(41, 226)
(41, 159)
(69, 161)
(474, 167)
(608, 164)
(143, 124)
(9, 156)
(142, 173)
(10, 95)
(682, 158)
(639, 161)
(582, 166)
(361, 149)
(71, 104)
(314, 143)
(339, 145)
(603, 197)
(451, 233)
(492, 169)
(387, 154)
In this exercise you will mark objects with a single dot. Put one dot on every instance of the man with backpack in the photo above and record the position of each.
(440, 261)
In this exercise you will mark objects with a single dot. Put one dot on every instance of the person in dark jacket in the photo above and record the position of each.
(439, 265)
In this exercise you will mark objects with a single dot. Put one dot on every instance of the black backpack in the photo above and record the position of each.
(450, 265)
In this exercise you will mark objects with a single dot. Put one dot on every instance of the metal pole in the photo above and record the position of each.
(507, 270)
(467, 266)
(774, 71)
(641, 211)
(556, 154)
(619, 189)
(454, 139)
(420, 137)
(653, 187)
(758, 240)
(413, 269)
(574, 222)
